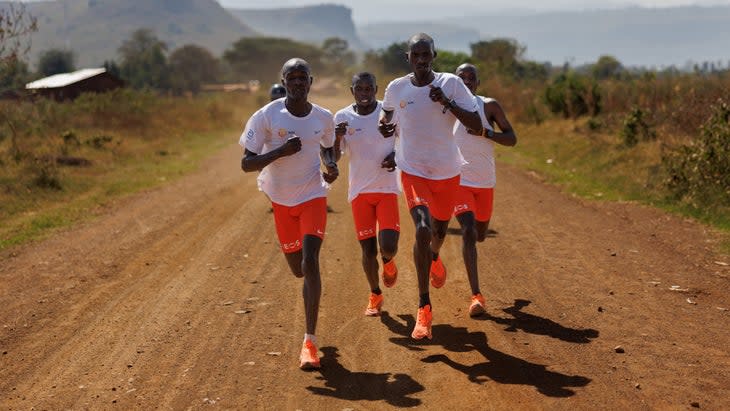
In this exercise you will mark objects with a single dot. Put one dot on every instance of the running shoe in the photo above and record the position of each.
(437, 273)
(477, 305)
(374, 304)
(308, 359)
(423, 323)
(390, 273)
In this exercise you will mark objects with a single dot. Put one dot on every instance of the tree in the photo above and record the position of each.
(390, 60)
(55, 61)
(13, 75)
(500, 54)
(448, 61)
(16, 24)
(336, 55)
(261, 58)
(144, 64)
(190, 67)
(607, 67)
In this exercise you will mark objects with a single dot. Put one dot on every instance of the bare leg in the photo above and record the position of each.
(482, 229)
(469, 248)
(388, 240)
(370, 265)
(422, 248)
(312, 289)
(295, 263)
(439, 234)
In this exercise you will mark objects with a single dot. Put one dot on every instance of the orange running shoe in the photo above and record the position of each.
(477, 305)
(423, 323)
(374, 304)
(308, 359)
(437, 273)
(390, 273)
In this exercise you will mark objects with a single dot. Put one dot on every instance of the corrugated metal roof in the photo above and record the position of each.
(64, 79)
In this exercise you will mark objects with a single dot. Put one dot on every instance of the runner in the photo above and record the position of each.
(373, 191)
(284, 140)
(426, 104)
(276, 91)
(475, 196)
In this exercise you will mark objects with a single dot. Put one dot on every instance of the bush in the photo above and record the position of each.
(636, 129)
(699, 173)
(573, 95)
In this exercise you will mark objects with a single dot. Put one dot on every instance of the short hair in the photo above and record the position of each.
(364, 75)
(421, 37)
(466, 66)
(277, 91)
(295, 63)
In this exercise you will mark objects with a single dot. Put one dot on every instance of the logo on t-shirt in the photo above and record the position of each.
(283, 132)
(250, 134)
(404, 103)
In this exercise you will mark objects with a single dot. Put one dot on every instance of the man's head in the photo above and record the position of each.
(277, 91)
(364, 89)
(296, 78)
(421, 52)
(468, 74)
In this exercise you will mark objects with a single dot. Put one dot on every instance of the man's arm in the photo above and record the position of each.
(385, 123)
(327, 154)
(470, 119)
(256, 162)
(495, 114)
(340, 130)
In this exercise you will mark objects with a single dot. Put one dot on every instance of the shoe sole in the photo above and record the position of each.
(476, 311)
(421, 337)
(372, 313)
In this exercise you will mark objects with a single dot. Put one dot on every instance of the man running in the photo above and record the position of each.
(475, 196)
(373, 186)
(426, 104)
(284, 140)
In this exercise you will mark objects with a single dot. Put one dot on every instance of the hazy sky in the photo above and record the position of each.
(365, 11)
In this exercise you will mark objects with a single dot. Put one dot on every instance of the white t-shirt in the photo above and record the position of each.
(478, 152)
(294, 179)
(427, 147)
(367, 149)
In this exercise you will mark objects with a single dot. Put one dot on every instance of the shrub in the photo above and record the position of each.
(636, 129)
(573, 95)
(699, 173)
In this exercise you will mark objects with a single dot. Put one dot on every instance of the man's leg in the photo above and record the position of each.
(388, 240)
(295, 263)
(422, 256)
(482, 229)
(469, 248)
(312, 289)
(439, 234)
(370, 264)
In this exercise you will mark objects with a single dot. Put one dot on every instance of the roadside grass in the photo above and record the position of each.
(166, 140)
(595, 165)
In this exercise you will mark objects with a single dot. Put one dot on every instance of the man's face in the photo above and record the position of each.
(297, 82)
(364, 92)
(469, 77)
(420, 57)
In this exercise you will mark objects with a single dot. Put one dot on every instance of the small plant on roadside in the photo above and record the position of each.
(699, 173)
(636, 128)
(45, 173)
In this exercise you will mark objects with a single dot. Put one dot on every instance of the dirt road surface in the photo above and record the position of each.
(179, 298)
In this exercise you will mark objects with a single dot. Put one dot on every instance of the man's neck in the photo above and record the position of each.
(424, 80)
(364, 111)
(298, 108)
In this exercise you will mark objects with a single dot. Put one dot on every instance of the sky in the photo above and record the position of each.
(371, 11)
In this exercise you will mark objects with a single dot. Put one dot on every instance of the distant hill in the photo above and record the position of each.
(310, 24)
(447, 36)
(636, 36)
(95, 29)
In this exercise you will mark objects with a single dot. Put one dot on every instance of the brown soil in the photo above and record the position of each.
(180, 298)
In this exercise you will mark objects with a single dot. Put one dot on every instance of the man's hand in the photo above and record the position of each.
(389, 162)
(341, 129)
(437, 95)
(475, 132)
(292, 146)
(332, 173)
(385, 124)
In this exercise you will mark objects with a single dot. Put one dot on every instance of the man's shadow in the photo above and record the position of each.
(534, 324)
(457, 231)
(499, 367)
(395, 389)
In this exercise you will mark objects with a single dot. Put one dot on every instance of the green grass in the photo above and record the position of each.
(595, 165)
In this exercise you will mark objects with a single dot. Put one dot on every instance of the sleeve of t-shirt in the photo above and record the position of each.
(254, 135)
(328, 134)
(462, 96)
(389, 98)
(340, 117)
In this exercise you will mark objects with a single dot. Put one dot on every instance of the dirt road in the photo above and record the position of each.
(180, 298)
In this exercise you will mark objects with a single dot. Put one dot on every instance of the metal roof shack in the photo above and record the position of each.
(68, 86)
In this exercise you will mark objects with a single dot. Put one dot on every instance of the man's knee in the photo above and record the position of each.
(423, 235)
(469, 234)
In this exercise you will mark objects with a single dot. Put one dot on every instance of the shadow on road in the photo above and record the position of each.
(534, 324)
(395, 389)
(499, 367)
(457, 231)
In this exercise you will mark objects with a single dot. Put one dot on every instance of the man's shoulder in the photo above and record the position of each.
(320, 111)
(271, 107)
(444, 77)
(400, 81)
(344, 111)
